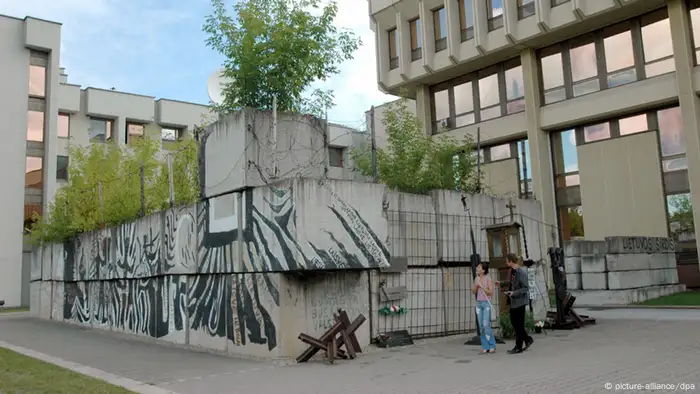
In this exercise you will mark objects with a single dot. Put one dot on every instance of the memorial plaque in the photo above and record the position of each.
(634, 245)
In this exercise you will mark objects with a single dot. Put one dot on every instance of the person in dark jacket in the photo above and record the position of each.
(519, 295)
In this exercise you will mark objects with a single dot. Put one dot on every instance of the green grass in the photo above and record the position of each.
(22, 374)
(10, 310)
(688, 298)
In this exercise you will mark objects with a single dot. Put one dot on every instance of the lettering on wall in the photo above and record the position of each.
(647, 244)
(333, 293)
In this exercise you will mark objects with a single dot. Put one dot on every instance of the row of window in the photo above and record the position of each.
(519, 149)
(480, 96)
(526, 8)
(627, 52)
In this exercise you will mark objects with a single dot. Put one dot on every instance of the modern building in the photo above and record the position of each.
(43, 114)
(595, 101)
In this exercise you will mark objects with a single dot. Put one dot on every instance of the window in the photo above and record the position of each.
(466, 19)
(571, 222)
(100, 130)
(35, 126)
(63, 125)
(134, 133)
(515, 90)
(441, 110)
(464, 104)
(565, 158)
(633, 124)
(170, 135)
(596, 132)
(656, 42)
(619, 56)
(34, 173)
(680, 217)
(440, 22)
(62, 167)
(671, 132)
(552, 70)
(416, 39)
(695, 26)
(489, 97)
(495, 14)
(37, 81)
(500, 152)
(335, 157)
(525, 168)
(526, 8)
(393, 49)
(559, 2)
(584, 69)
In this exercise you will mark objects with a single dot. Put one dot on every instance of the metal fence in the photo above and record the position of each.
(436, 287)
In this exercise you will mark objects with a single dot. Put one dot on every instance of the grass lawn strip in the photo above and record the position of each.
(22, 374)
(688, 298)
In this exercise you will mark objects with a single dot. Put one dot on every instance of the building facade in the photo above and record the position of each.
(590, 106)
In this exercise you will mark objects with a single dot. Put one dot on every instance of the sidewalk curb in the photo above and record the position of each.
(129, 384)
(662, 307)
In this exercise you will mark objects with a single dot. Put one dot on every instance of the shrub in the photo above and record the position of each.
(507, 330)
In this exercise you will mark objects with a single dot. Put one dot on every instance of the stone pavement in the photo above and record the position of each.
(662, 348)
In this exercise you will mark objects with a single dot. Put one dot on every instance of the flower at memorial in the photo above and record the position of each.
(539, 323)
(392, 310)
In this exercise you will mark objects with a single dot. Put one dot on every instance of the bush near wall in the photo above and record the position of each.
(104, 187)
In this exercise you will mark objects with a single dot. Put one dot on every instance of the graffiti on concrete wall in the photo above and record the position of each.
(138, 248)
(180, 241)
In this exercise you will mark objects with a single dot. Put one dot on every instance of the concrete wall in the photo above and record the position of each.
(618, 184)
(501, 177)
(621, 270)
(240, 150)
(220, 274)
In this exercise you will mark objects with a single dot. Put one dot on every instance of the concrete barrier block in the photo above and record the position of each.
(662, 261)
(666, 276)
(594, 281)
(623, 297)
(572, 265)
(35, 298)
(632, 245)
(631, 279)
(628, 262)
(593, 263)
(572, 248)
(573, 280)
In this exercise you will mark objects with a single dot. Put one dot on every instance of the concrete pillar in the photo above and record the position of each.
(681, 38)
(481, 27)
(382, 53)
(540, 152)
(423, 111)
(403, 45)
(428, 28)
(454, 32)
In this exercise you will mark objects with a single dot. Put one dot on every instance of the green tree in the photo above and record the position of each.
(682, 212)
(278, 48)
(104, 186)
(576, 222)
(414, 162)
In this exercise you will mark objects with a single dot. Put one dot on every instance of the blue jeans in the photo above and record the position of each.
(483, 314)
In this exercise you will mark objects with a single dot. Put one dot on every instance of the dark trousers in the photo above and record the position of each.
(517, 319)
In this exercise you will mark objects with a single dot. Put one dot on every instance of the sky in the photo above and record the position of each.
(157, 48)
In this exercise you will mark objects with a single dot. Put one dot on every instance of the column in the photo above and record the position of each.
(681, 38)
(428, 28)
(403, 45)
(540, 151)
(382, 54)
(454, 31)
(423, 111)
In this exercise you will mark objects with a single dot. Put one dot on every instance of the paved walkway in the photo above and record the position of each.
(660, 347)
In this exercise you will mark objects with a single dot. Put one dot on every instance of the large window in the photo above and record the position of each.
(37, 81)
(416, 39)
(567, 185)
(34, 173)
(515, 90)
(63, 125)
(35, 126)
(526, 8)
(100, 130)
(656, 38)
(617, 55)
(495, 14)
(440, 24)
(477, 97)
(393, 35)
(62, 167)
(525, 168)
(170, 134)
(466, 19)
